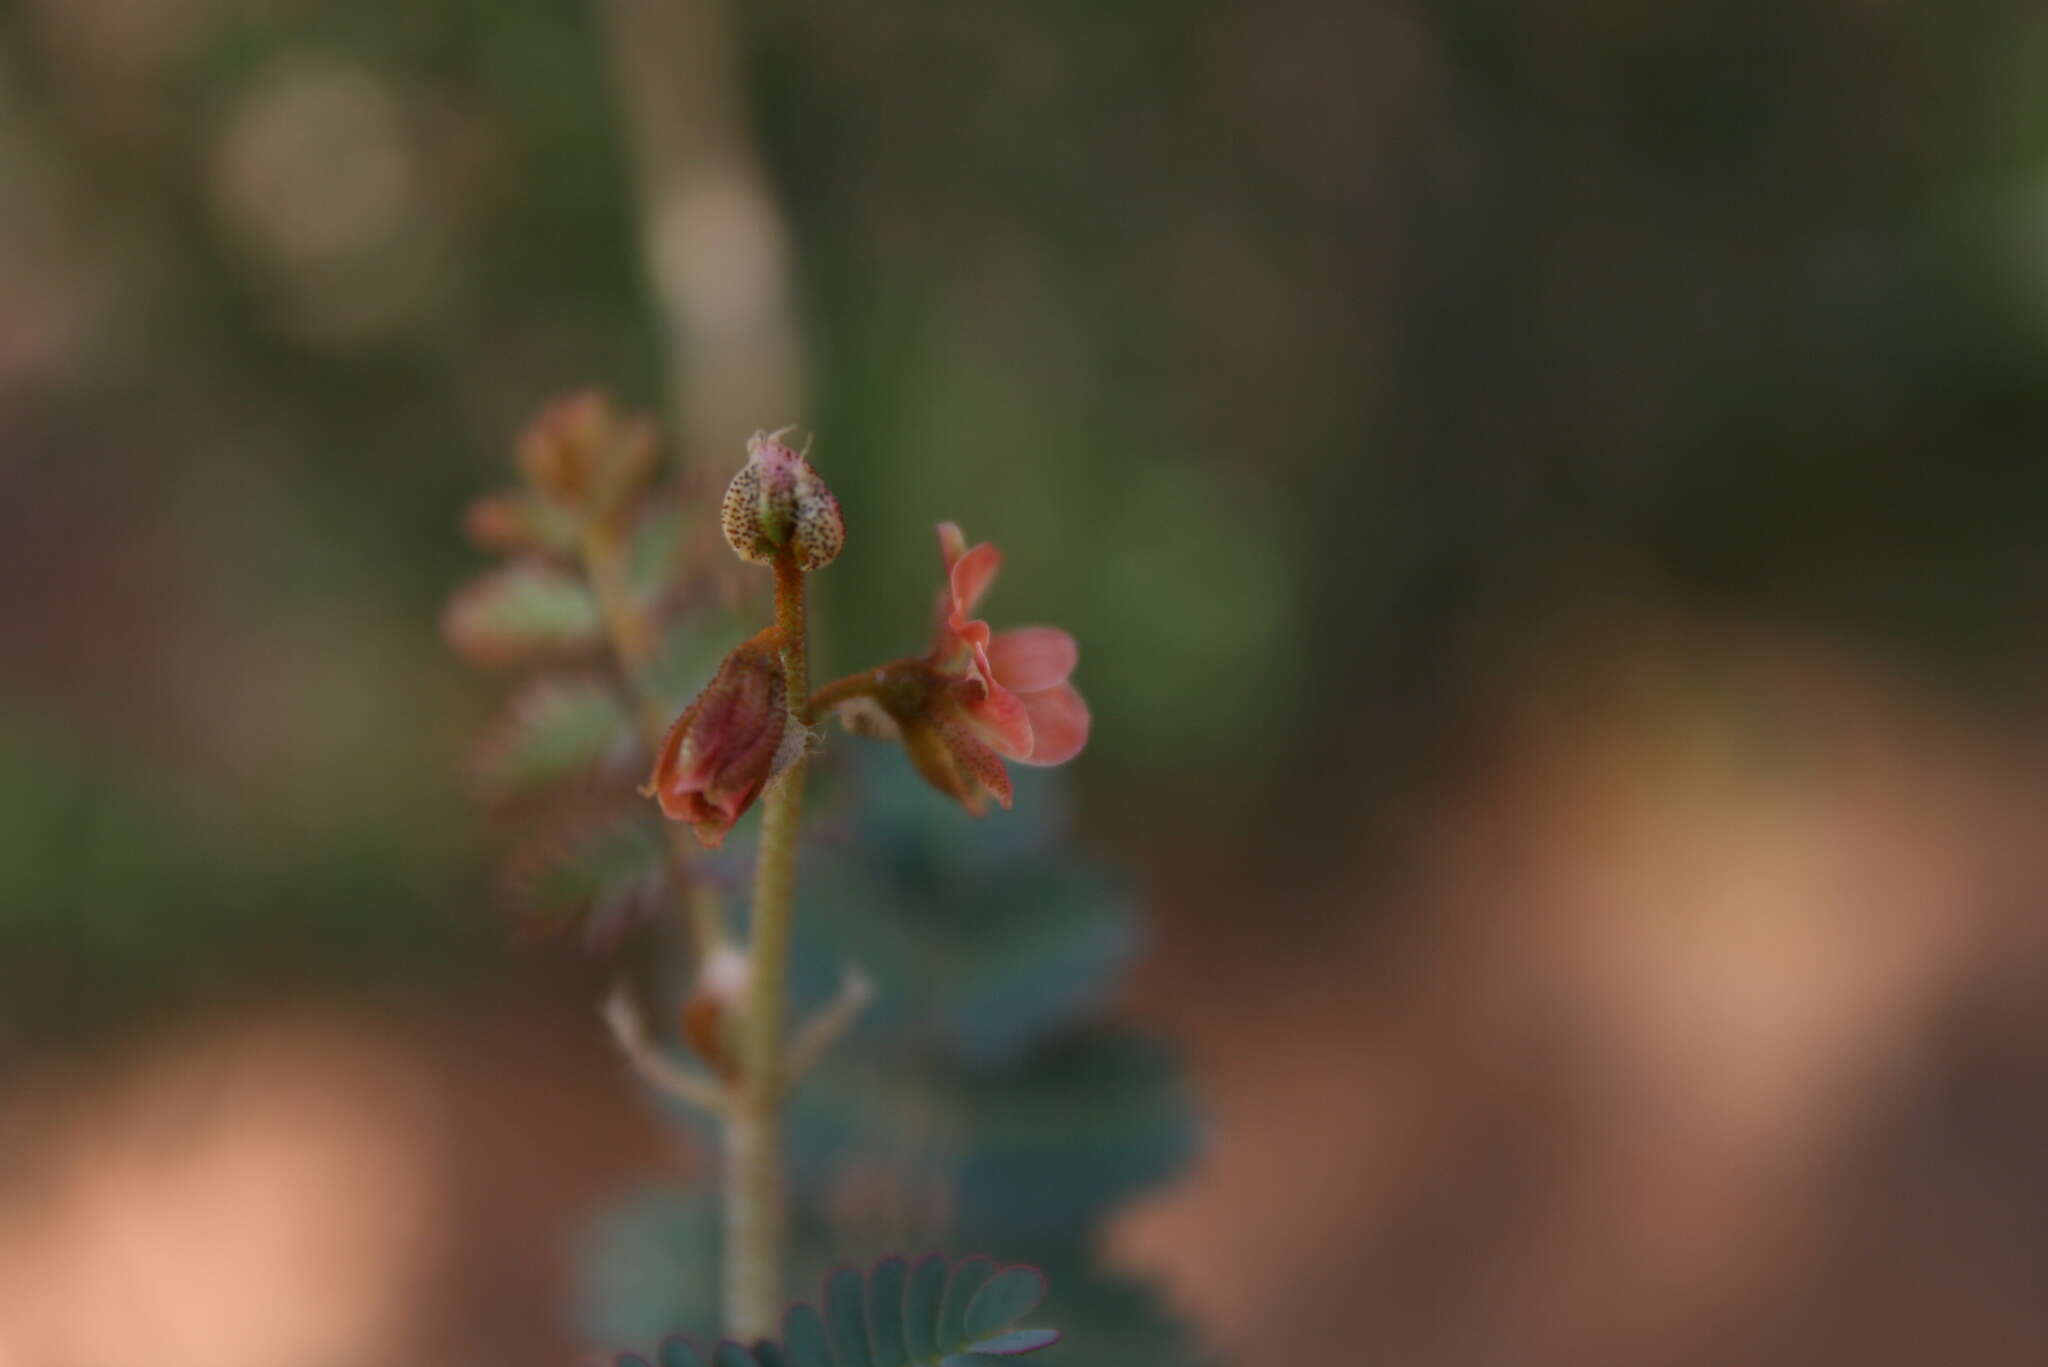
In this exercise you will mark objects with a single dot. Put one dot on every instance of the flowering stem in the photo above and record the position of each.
(754, 1202)
(631, 636)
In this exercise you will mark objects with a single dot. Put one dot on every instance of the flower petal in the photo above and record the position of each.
(998, 718)
(977, 761)
(1032, 658)
(952, 543)
(1059, 724)
(971, 575)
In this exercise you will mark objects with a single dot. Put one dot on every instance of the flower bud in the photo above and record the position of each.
(721, 752)
(777, 500)
(713, 1004)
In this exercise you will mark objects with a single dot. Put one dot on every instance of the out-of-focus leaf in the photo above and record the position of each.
(518, 522)
(520, 612)
(846, 1316)
(967, 1278)
(679, 1352)
(886, 1311)
(553, 729)
(1014, 1342)
(805, 1336)
(981, 957)
(660, 546)
(604, 870)
(649, 1271)
(982, 1303)
(1003, 1299)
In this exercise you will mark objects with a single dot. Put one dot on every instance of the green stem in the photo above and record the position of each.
(754, 1199)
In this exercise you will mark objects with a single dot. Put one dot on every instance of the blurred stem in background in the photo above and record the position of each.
(717, 263)
(717, 253)
(631, 636)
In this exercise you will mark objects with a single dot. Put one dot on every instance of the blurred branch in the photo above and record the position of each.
(656, 1069)
(823, 1030)
(715, 247)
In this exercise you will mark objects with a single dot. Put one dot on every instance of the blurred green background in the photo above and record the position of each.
(1318, 364)
(1278, 343)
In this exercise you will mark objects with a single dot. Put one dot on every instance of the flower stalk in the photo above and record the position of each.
(754, 1193)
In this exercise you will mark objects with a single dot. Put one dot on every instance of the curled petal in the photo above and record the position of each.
(1059, 724)
(970, 577)
(997, 716)
(952, 543)
(1032, 658)
(952, 760)
(982, 766)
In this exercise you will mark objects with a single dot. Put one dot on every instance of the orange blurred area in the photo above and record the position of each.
(1704, 1025)
(315, 1185)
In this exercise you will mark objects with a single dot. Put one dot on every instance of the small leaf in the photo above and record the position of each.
(847, 1318)
(1004, 1299)
(522, 611)
(968, 1276)
(1015, 1342)
(922, 1300)
(607, 870)
(514, 521)
(769, 1354)
(730, 1354)
(680, 1352)
(885, 1312)
(553, 729)
(803, 1334)
(660, 548)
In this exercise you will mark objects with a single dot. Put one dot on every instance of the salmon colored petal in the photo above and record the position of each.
(952, 543)
(971, 575)
(1000, 719)
(978, 762)
(1059, 724)
(1031, 658)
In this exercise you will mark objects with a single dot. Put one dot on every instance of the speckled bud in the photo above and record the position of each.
(729, 743)
(778, 500)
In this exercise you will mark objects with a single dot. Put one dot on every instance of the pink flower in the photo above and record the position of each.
(737, 735)
(1015, 695)
(978, 697)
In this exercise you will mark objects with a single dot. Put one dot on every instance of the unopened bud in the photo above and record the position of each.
(713, 1004)
(722, 751)
(777, 500)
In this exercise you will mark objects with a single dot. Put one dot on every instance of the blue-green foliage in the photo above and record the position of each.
(981, 1101)
(931, 1314)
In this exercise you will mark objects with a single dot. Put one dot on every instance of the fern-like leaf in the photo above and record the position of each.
(930, 1313)
(520, 612)
(553, 729)
(604, 870)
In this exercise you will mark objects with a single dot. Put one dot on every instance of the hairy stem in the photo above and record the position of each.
(631, 637)
(861, 685)
(754, 1199)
